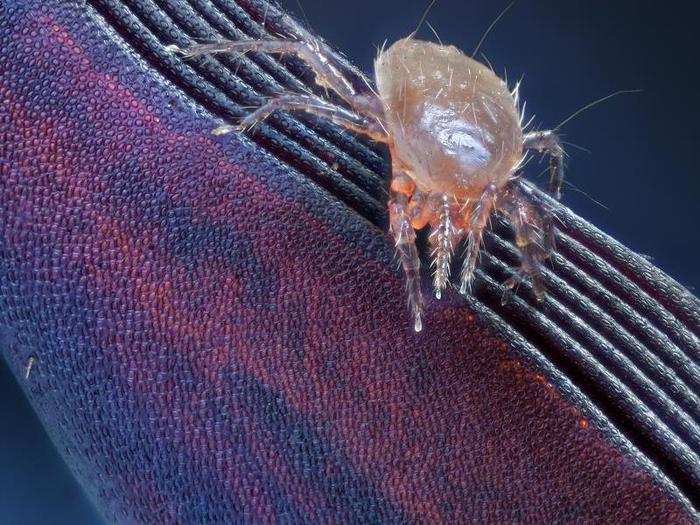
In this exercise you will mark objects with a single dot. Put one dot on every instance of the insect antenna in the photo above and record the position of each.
(493, 24)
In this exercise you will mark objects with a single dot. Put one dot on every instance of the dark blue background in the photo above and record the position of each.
(643, 168)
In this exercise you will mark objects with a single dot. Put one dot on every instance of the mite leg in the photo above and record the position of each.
(313, 105)
(477, 222)
(326, 68)
(548, 142)
(443, 238)
(529, 236)
(402, 188)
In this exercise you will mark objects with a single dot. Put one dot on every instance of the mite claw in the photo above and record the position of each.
(465, 288)
(224, 130)
(29, 366)
(174, 48)
(418, 324)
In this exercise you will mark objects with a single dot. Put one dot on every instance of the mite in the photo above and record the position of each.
(455, 133)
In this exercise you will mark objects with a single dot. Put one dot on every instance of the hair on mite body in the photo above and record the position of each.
(455, 134)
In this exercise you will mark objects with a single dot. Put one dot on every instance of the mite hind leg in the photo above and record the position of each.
(402, 189)
(327, 69)
(528, 223)
(476, 224)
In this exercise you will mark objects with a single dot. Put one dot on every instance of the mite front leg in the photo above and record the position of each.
(477, 222)
(402, 188)
(443, 238)
(313, 105)
(326, 68)
(529, 237)
(548, 142)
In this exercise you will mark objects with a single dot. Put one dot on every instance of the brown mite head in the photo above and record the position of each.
(452, 120)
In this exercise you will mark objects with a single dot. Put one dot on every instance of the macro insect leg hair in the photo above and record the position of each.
(476, 224)
(367, 111)
(402, 187)
(443, 238)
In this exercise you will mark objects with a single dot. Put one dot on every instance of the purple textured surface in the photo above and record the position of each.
(217, 339)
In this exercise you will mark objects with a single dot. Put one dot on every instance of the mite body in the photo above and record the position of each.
(454, 131)
(452, 120)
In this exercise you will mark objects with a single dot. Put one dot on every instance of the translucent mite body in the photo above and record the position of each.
(453, 121)
(455, 135)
